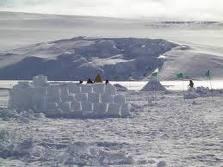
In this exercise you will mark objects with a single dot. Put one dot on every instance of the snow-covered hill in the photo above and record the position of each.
(81, 58)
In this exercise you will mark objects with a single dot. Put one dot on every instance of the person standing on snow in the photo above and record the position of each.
(191, 84)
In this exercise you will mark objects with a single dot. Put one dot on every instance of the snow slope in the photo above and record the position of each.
(81, 58)
(192, 63)
(205, 39)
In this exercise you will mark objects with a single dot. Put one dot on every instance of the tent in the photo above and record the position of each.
(98, 79)
(154, 85)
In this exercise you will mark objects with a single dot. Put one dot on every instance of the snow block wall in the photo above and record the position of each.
(69, 100)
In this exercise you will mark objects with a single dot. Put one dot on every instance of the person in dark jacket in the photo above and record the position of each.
(191, 84)
(107, 82)
(89, 81)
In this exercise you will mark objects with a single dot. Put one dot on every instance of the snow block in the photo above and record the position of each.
(66, 107)
(82, 97)
(100, 109)
(87, 106)
(52, 106)
(125, 110)
(94, 97)
(22, 85)
(110, 89)
(20, 99)
(105, 98)
(114, 110)
(71, 97)
(98, 88)
(53, 91)
(74, 88)
(53, 99)
(87, 114)
(40, 81)
(86, 89)
(64, 93)
(39, 98)
(119, 99)
(76, 106)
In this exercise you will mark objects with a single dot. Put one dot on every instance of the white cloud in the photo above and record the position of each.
(175, 9)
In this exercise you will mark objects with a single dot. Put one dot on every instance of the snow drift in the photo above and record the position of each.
(201, 91)
(69, 100)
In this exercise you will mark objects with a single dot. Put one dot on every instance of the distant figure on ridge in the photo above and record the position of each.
(191, 84)
(80, 82)
(89, 81)
(107, 82)
(98, 79)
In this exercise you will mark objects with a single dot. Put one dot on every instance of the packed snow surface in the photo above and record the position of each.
(165, 130)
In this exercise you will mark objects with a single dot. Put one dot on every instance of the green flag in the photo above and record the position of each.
(180, 76)
(208, 74)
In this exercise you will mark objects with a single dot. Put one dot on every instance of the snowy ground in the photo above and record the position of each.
(165, 130)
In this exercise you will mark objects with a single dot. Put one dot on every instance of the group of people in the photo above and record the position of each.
(98, 79)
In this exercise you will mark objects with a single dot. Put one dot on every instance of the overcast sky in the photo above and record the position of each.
(170, 9)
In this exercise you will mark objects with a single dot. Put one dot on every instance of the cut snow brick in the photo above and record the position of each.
(52, 106)
(100, 109)
(119, 99)
(53, 91)
(40, 81)
(105, 98)
(125, 110)
(110, 89)
(81, 97)
(76, 106)
(66, 107)
(93, 97)
(86, 106)
(74, 88)
(114, 110)
(20, 99)
(39, 98)
(99, 88)
(86, 88)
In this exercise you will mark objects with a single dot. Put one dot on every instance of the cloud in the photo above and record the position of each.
(169, 9)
